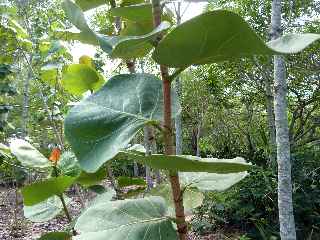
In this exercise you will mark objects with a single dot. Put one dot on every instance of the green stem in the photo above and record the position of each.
(64, 205)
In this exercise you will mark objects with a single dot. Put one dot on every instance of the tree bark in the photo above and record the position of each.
(168, 134)
(178, 88)
(198, 138)
(271, 123)
(25, 109)
(286, 217)
(147, 144)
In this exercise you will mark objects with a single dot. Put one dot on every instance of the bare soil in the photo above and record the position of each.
(14, 226)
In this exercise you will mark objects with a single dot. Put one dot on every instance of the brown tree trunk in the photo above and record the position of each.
(168, 135)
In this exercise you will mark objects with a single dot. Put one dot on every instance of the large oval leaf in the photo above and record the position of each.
(140, 13)
(211, 181)
(186, 163)
(40, 191)
(192, 198)
(128, 47)
(68, 165)
(46, 210)
(28, 155)
(79, 78)
(103, 124)
(117, 46)
(137, 13)
(55, 236)
(75, 35)
(218, 36)
(90, 4)
(128, 219)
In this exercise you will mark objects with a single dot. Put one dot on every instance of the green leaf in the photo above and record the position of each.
(293, 43)
(127, 47)
(90, 179)
(128, 181)
(86, 5)
(76, 16)
(79, 78)
(137, 13)
(46, 210)
(130, 2)
(218, 36)
(28, 155)
(99, 189)
(117, 46)
(104, 123)
(184, 163)
(49, 76)
(127, 219)
(68, 165)
(104, 197)
(192, 198)
(73, 35)
(55, 236)
(211, 181)
(40, 191)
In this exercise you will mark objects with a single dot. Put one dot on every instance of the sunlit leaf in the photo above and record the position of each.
(218, 36)
(90, 4)
(28, 155)
(40, 191)
(104, 123)
(79, 78)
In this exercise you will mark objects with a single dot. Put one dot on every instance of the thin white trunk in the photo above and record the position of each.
(286, 217)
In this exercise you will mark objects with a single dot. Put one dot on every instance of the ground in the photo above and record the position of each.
(19, 228)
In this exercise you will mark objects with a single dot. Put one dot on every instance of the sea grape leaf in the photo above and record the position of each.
(40, 191)
(75, 35)
(79, 78)
(99, 189)
(106, 196)
(56, 236)
(45, 210)
(86, 5)
(90, 179)
(130, 2)
(133, 219)
(186, 163)
(192, 197)
(68, 165)
(127, 47)
(218, 36)
(211, 181)
(124, 181)
(137, 13)
(117, 46)
(104, 123)
(28, 155)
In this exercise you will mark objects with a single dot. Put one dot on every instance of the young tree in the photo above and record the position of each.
(286, 217)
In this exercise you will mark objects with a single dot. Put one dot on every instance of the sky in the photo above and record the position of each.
(190, 10)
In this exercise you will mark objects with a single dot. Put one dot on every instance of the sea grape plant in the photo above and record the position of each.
(45, 199)
(101, 126)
